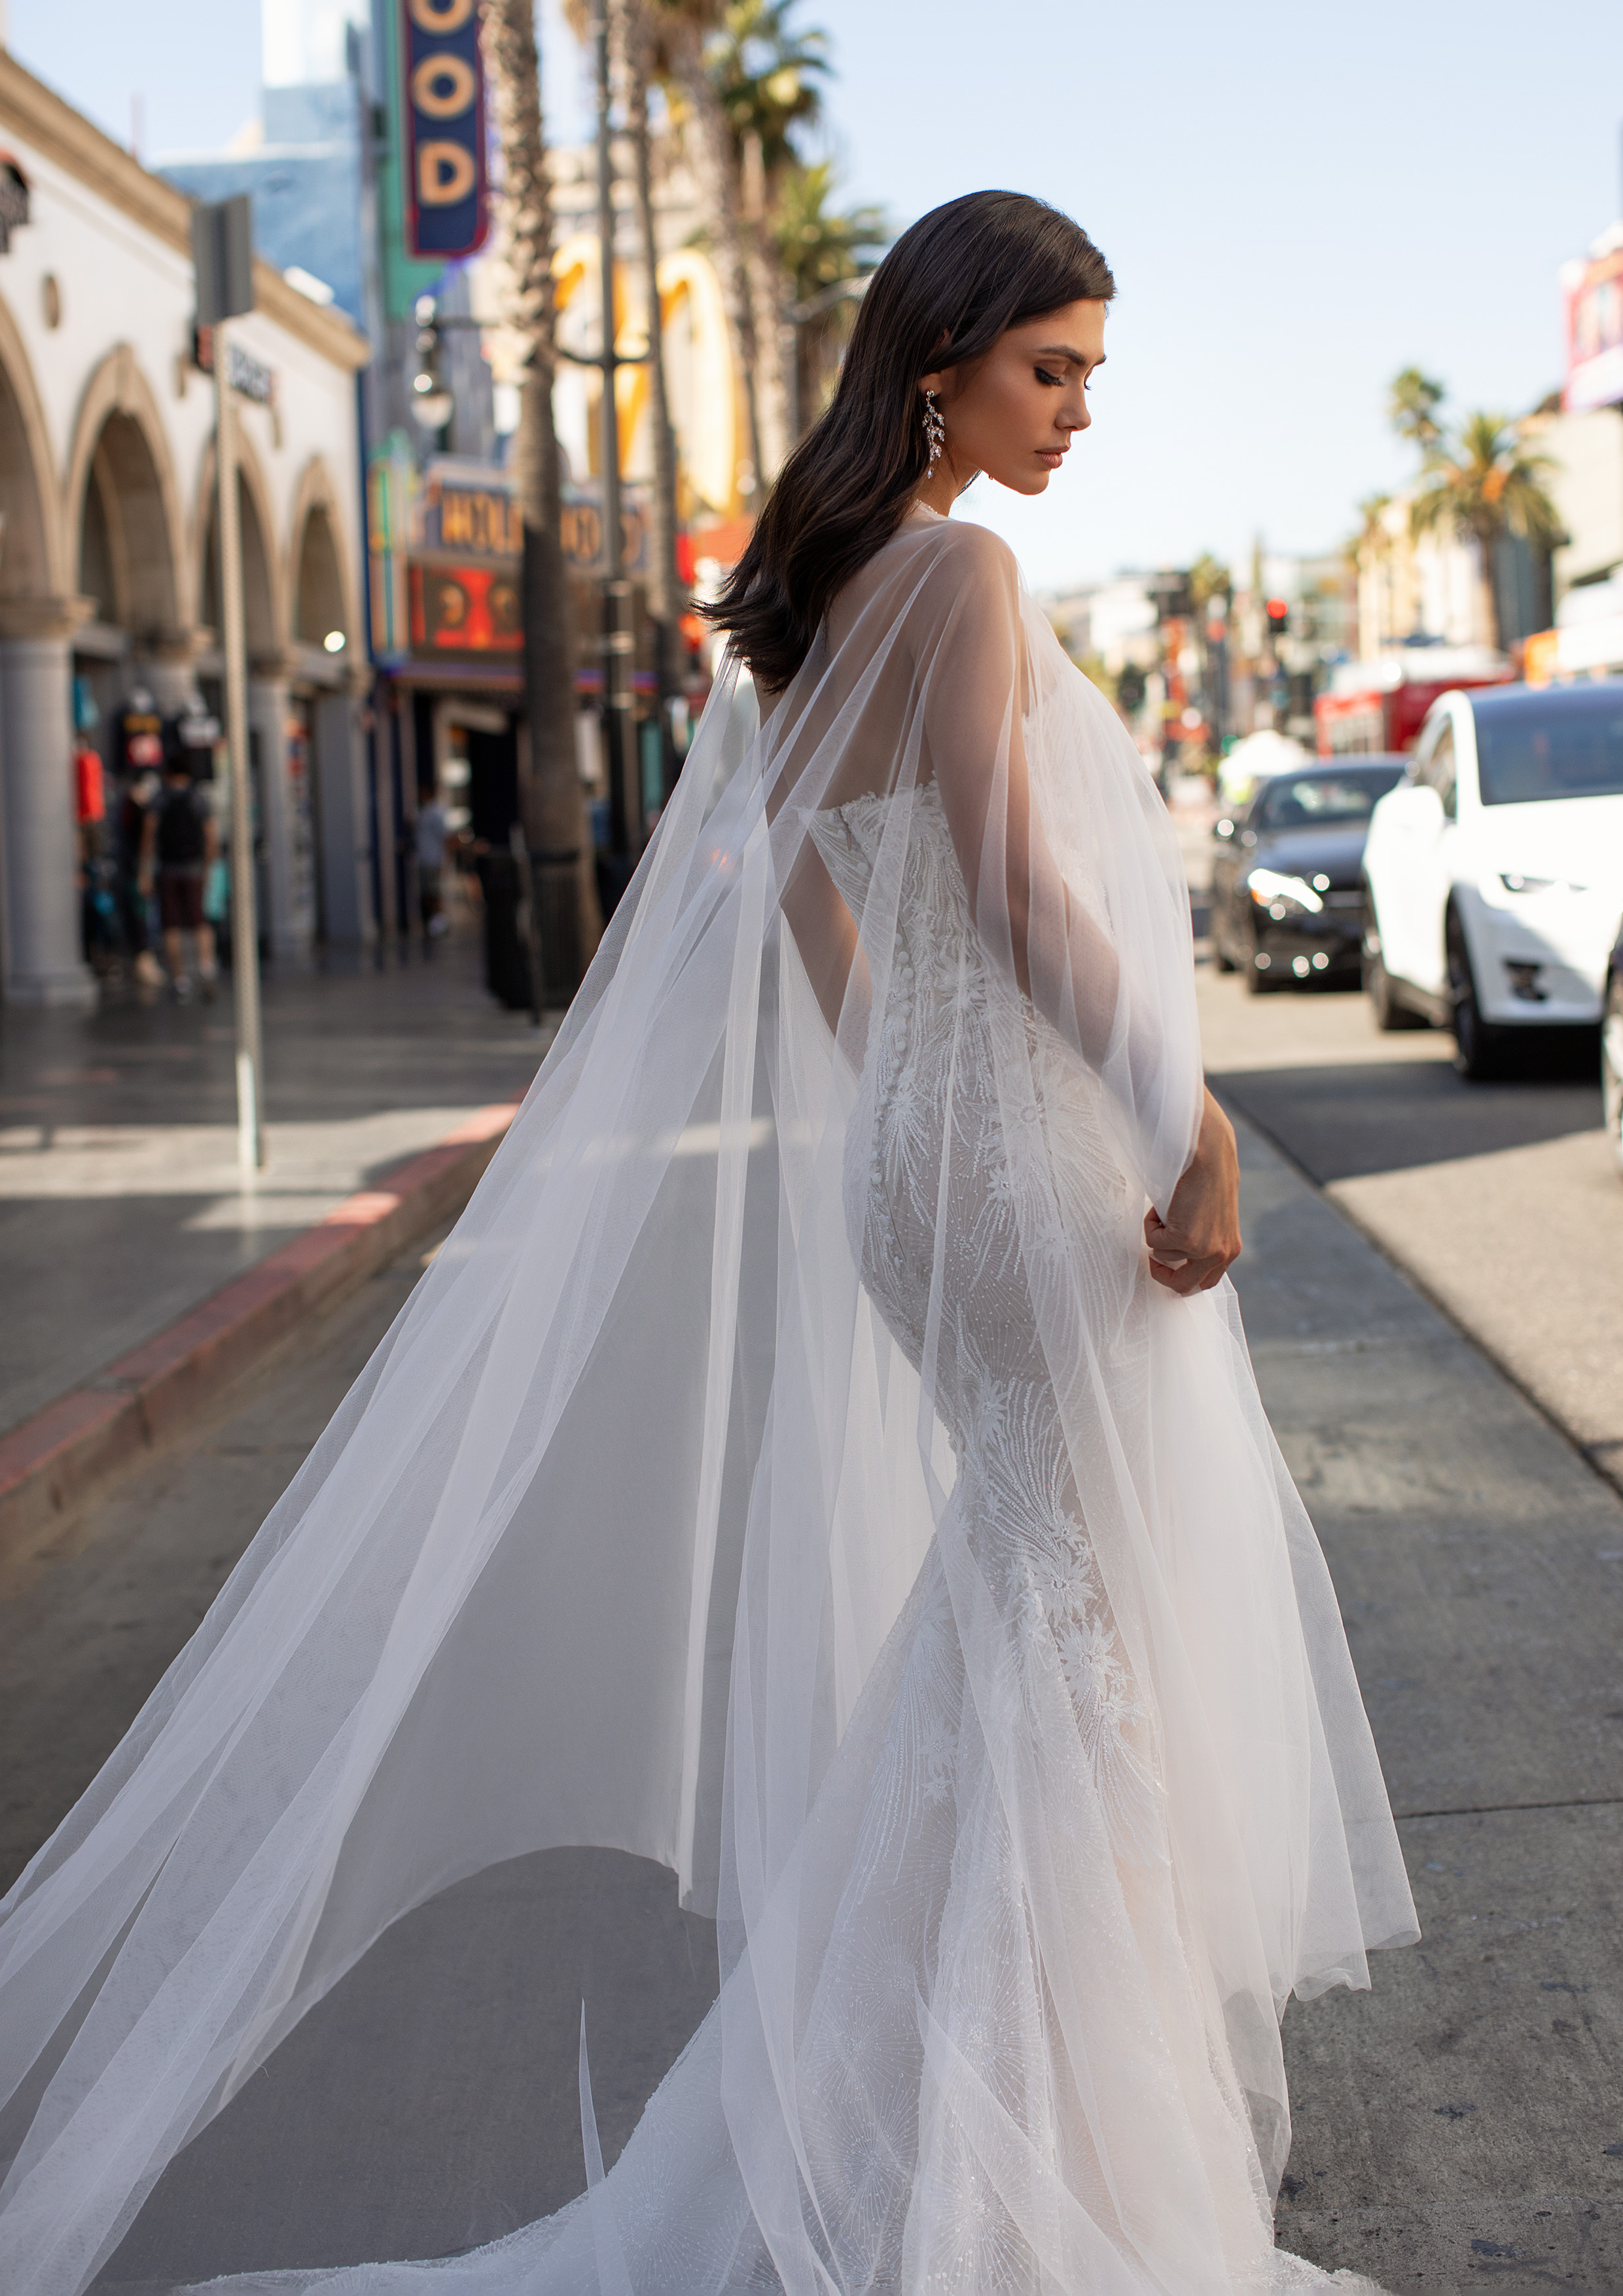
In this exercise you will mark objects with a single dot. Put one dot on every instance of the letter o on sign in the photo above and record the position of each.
(443, 86)
(440, 15)
(446, 173)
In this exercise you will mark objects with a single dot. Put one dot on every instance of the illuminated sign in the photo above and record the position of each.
(1594, 332)
(447, 196)
(464, 610)
(485, 520)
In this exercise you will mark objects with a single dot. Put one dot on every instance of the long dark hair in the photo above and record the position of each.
(949, 287)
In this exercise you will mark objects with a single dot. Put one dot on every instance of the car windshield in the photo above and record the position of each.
(1561, 742)
(1325, 800)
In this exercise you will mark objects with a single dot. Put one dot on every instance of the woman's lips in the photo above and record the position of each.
(1052, 457)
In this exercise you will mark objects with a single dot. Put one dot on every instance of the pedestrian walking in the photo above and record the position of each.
(432, 836)
(182, 843)
(825, 1461)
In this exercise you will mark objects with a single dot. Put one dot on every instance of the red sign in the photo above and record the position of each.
(1594, 332)
(465, 610)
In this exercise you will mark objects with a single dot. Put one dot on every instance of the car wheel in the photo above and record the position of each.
(1611, 1065)
(1389, 1013)
(1479, 1048)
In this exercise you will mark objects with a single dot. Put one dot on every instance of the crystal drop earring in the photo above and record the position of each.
(935, 431)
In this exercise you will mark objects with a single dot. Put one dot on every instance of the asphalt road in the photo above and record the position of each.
(1501, 1201)
(1461, 2122)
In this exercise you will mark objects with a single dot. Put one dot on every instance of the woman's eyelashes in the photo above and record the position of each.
(1053, 381)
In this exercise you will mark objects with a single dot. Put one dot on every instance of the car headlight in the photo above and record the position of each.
(1271, 891)
(1515, 884)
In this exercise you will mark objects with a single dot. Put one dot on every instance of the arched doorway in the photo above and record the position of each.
(323, 720)
(320, 614)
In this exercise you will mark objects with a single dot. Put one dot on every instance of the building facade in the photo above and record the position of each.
(107, 549)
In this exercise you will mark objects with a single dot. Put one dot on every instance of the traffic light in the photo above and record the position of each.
(1278, 610)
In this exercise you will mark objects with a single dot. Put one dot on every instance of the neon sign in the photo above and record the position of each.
(447, 211)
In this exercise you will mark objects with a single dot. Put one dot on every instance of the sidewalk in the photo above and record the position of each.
(1462, 2121)
(122, 1208)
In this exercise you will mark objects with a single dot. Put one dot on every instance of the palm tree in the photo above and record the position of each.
(552, 800)
(679, 31)
(1372, 538)
(766, 73)
(640, 48)
(1485, 484)
(1412, 405)
(821, 252)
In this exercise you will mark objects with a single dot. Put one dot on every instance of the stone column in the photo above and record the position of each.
(284, 821)
(167, 662)
(43, 963)
(344, 810)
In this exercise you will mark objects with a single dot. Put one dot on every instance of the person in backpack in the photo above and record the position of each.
(182, 840)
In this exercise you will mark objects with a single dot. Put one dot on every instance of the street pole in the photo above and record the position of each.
(244, 904)
(223, 261)
(625, 766)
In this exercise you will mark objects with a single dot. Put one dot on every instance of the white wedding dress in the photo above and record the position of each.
(967, 1648)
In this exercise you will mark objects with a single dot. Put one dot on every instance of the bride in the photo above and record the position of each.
(825, 1460)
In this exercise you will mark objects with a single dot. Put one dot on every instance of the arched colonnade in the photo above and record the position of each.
(108, 574)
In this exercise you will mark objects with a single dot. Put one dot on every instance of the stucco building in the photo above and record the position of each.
(107, 546)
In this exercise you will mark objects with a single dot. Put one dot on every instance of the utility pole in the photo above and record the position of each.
(625, 766)
(222, 254)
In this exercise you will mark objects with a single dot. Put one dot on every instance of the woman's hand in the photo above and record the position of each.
(1199, 1238)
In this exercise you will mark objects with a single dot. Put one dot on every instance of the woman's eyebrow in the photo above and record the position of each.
(1064, 351)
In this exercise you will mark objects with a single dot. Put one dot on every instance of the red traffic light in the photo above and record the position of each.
(1278, 610)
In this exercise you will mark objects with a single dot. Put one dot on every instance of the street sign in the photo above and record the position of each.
(223, 256)
(448, 211)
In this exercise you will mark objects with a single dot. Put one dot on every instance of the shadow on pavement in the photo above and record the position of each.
(1349, 1119)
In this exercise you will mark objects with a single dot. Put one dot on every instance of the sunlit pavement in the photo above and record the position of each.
(121, 1203)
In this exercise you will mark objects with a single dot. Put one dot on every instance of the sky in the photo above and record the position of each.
(1297, 202)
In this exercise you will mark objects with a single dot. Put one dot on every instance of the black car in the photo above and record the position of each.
(1287, 900)
(1612, 1051)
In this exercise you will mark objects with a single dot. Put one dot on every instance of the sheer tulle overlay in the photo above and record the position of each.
(950, 1626)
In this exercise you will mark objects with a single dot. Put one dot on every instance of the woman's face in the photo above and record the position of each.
(1012, 413)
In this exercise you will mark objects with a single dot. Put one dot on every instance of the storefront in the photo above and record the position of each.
(108, 589)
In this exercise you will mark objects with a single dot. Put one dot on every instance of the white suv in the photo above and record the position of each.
(1494, 871)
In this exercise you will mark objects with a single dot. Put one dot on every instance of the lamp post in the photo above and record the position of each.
(222, 254)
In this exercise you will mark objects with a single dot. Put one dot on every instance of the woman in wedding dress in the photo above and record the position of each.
(950, 1626)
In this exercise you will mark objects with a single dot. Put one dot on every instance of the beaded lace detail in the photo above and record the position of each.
(931, 1079)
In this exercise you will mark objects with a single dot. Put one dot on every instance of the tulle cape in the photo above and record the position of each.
(622, 1536)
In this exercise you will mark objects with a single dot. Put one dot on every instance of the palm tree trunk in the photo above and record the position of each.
(765, 286)
(550, 798)
(1487, 544)
(664, 585)
(720, 192)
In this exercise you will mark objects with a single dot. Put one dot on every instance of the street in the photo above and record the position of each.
(1463, 2121)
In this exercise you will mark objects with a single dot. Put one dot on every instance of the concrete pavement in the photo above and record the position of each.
(1462, 2122)
(121, 1205)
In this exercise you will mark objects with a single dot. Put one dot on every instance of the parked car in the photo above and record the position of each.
(1612, 1050)
(1287, 900)
(1495, 870)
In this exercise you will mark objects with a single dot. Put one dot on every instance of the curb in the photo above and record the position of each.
(54, 1459)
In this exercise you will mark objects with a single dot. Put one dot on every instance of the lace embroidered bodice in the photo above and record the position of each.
(931, 1117)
